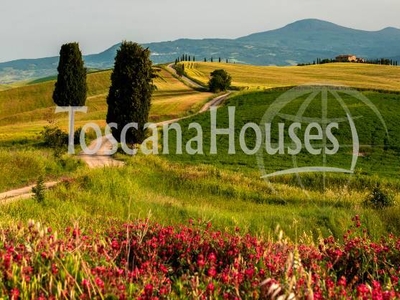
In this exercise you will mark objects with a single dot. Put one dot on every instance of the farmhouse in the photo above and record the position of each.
(346, 58)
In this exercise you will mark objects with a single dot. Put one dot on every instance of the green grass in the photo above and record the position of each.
(256, 77)
(226, 189)
(20, 168)
(379, 153)
(174, 193)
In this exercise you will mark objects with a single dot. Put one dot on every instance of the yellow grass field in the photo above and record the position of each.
(349, 74)
(25, 110)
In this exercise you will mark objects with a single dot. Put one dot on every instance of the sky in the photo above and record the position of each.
(33, 29)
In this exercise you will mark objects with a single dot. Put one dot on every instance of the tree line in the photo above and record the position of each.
(189, 58)
(380, 61)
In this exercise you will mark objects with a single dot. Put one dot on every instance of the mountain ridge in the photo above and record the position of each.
(298, 42)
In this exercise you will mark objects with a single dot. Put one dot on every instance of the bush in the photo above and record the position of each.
(39, 190)
(54, 137)
(379, 198)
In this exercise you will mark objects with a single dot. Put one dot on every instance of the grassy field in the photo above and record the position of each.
(197, 186)
(26, 109)
(256, 77)
(175, 193)
(228, 190)
(378, 153)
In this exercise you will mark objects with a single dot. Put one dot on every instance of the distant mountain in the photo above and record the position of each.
(301, 41)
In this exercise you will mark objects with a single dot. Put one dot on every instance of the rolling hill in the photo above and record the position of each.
(25, 110)
(364, 76)
(301, 41)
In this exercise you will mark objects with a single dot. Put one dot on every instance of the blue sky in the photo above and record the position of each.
(31, 29)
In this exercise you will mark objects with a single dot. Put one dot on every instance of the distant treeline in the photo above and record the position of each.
(186, 57)
(382, 61)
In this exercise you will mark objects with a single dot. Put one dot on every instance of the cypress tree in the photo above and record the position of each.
(129, 97)
(212, 59)
(70, 88)
(194, 58)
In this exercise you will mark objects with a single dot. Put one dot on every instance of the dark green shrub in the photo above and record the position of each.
(54, 137)
(39, 190)
(379, 198)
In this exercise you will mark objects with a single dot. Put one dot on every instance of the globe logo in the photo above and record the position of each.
(312, 135)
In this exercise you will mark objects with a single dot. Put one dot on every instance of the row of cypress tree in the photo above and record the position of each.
(130, 93)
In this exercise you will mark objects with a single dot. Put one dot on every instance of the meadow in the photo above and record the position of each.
(228, 190)
(206, 226)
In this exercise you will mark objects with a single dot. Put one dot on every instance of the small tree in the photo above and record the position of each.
(39, 191)
(220, 81)
(70, 88)
(130, 92)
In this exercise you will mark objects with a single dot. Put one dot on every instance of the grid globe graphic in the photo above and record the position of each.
(316, 92)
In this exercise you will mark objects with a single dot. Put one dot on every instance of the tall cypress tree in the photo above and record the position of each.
(70, 88)
(130, 92)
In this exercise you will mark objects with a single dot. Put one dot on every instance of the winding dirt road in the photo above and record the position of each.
(189, 82)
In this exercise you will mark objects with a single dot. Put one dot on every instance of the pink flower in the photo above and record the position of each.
(99, 282)
(212, 272)
(148, 289)
(210, 287)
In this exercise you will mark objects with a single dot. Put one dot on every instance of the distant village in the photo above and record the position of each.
(352, 59)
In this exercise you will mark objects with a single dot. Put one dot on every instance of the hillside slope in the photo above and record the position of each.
(25, 110)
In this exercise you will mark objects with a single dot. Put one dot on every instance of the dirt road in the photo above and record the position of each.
(22, 193)
(101, 158)
(187, 80)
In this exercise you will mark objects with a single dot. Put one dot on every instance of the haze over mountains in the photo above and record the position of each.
(299, 42)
